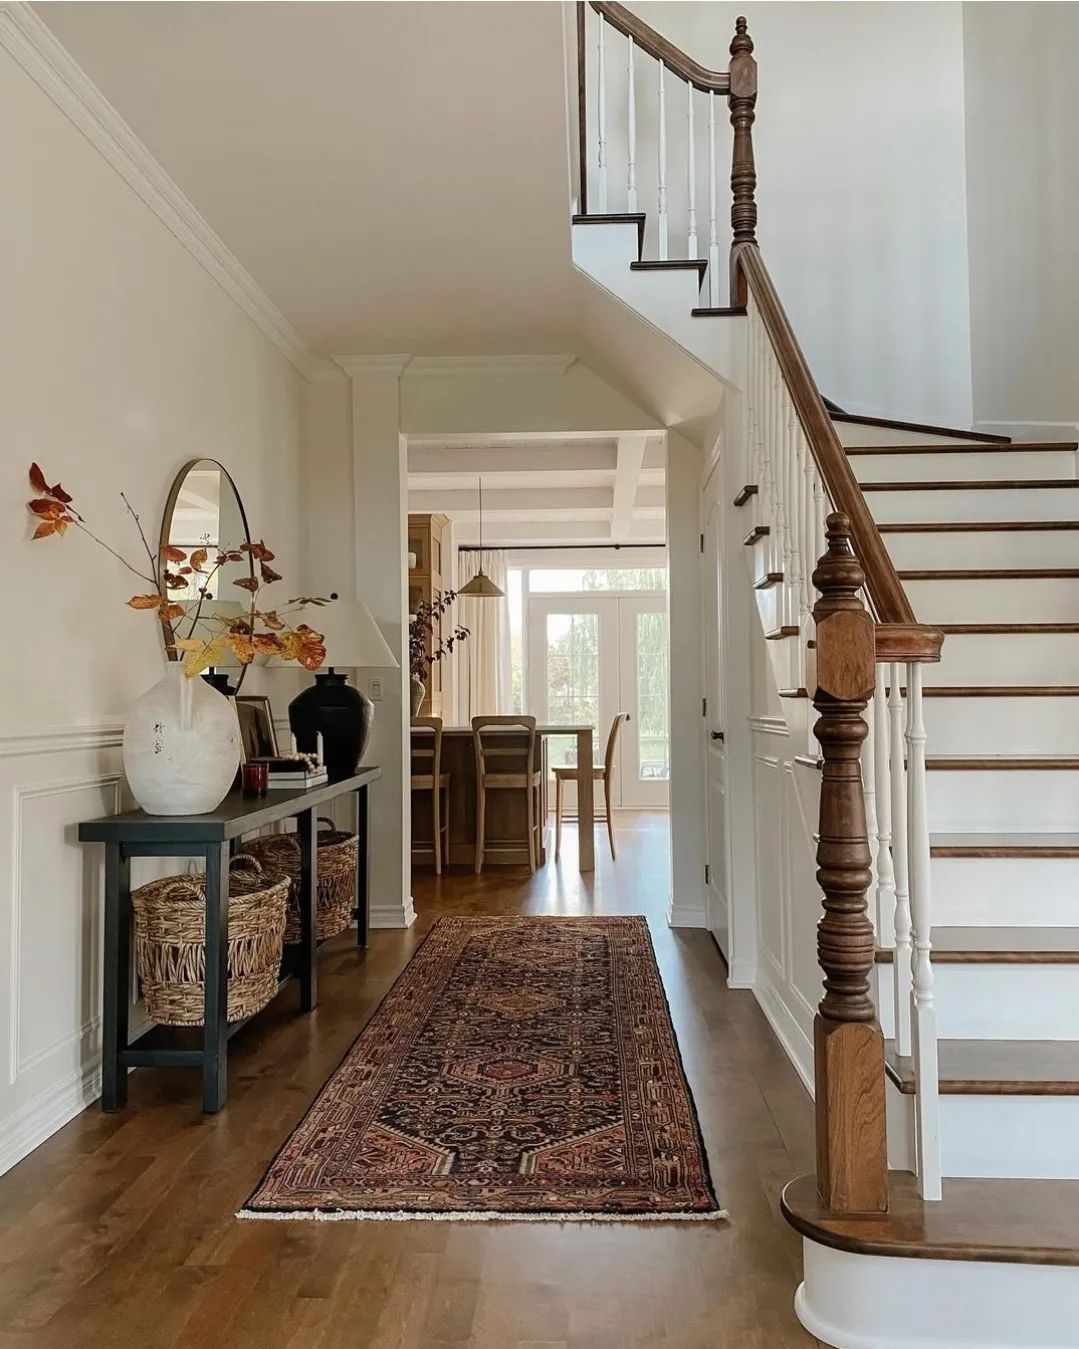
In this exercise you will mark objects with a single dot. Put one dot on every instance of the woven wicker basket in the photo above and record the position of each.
(170, 942)
(336, 888)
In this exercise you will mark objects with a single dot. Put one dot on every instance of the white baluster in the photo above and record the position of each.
(775, 550)
(631, 131)
(901, 954)
(820, 511)
(601, 116)
(809, 470)
(691, 176)
(662, 195)
(885, 894)
(923, 1008)
(713, 221)
(793, 577)
(778, 441)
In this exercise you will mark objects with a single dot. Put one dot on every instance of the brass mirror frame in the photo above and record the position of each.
(168, 633)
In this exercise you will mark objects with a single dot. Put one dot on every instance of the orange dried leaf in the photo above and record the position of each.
(247, 583)
(173, 554)
(51, 510)
(145, 601)
(272, 621)
(47, 527)
(198, 559)
(242, 647)
(171, 611)
(37, 479)
(267, 642)
(268, 573)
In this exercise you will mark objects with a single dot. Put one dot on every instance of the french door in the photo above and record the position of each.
(592, 656)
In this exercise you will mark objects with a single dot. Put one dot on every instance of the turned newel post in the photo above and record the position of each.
(742, 101)
(852, 1159)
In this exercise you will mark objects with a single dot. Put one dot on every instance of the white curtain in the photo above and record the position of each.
(483, 670)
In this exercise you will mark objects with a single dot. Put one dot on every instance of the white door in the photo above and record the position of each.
(589, 657)
(644, 663)
(715, 758)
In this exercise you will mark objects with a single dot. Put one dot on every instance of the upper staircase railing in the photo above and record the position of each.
(821, 539)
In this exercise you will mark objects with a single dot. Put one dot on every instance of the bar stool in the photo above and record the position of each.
(568, 773)
(436, 782)
(506, 767)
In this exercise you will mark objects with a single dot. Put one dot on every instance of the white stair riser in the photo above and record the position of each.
(940, 466)
(1022, 600)
(996, 1002)
(1035, 658)
(1021, 503)
(854, 433)
(984, 548)
(1002, 725)
(988, 801)
(1030, 1137)
(1005, 891)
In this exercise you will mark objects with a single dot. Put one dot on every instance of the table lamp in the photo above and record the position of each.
(331, 706)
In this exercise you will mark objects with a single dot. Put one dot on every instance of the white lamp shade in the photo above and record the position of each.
(351, 635)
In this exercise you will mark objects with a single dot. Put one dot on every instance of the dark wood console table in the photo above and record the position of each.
(212, 837)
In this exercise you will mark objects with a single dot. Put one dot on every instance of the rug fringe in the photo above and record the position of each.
(403, 1216)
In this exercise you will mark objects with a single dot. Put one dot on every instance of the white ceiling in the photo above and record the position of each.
(394, 176)
(584, 490)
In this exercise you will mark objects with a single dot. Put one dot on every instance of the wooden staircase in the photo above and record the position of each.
(941, 624)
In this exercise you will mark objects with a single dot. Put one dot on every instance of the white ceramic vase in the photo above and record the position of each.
(181, 745)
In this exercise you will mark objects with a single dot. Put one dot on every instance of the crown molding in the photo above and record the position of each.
(519, 367)
(33, 45)
(393, 365)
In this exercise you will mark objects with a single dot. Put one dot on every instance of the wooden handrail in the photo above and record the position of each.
(890, 603)
(657, 46)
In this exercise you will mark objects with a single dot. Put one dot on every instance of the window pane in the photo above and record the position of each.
(653, 733)
(572, 679)
(570, 580)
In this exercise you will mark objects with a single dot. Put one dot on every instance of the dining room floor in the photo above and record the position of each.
(118, 1232)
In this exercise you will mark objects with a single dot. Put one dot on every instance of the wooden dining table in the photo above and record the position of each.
(504, 815)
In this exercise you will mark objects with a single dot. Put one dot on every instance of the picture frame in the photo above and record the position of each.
(258, 740)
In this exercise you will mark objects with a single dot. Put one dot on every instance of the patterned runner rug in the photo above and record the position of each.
(520, 1068)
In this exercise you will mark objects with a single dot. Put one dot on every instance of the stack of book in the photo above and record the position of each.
(298, 771)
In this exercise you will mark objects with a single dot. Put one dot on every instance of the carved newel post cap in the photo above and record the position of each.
(741, 42)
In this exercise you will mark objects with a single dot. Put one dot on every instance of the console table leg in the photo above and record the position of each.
(215, 1085)
(117, 991)
(306, 829)
(363, 867)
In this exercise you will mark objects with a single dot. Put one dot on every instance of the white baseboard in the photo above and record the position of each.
(51, 1110)
(741, 974)
(687, 913)
(396, 916)
(887, 1302)
(1031, 430)
(788, 1032)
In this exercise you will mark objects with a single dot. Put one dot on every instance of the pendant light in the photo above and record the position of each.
(481, 587)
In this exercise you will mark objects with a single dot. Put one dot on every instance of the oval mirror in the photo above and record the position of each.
(204, 510)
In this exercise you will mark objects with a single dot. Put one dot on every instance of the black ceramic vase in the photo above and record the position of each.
(342, 714)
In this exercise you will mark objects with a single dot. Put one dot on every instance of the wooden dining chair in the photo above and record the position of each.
(502, 766)
(426, 753)
(562, 775)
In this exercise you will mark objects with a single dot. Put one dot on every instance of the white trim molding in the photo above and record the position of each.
(486, 367)
(768, 725)
(32, 44)
(393, 366)
(61, 739)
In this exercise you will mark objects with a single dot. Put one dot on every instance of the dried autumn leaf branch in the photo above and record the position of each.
(174, 569)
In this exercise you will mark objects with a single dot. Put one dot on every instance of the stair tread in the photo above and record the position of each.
(1003, 629)
(970, 447)
(996, 1067)
(718, 312)
(749, 490)
(1001, 945)
(699, 265)
(1001, 691)
(971, 485)
(977, 526)
(919, 428)
(1004, 845)
(1031, 1222)
(1003, 763)
(991, 574)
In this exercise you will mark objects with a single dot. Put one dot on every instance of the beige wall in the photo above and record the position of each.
(122, 359)
(861, 186)
(1022, 103)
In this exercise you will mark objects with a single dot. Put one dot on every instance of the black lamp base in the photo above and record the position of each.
(218, 679)
(341, 713)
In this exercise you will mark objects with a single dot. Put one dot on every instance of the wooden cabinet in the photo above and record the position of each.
(425, 580)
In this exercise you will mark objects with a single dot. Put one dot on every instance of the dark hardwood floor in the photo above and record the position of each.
(118, 1233)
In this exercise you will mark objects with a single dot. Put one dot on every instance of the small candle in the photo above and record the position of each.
(293, 740)
(318, 748)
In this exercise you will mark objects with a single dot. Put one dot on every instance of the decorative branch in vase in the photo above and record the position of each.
(423, 648)
(181, 740)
